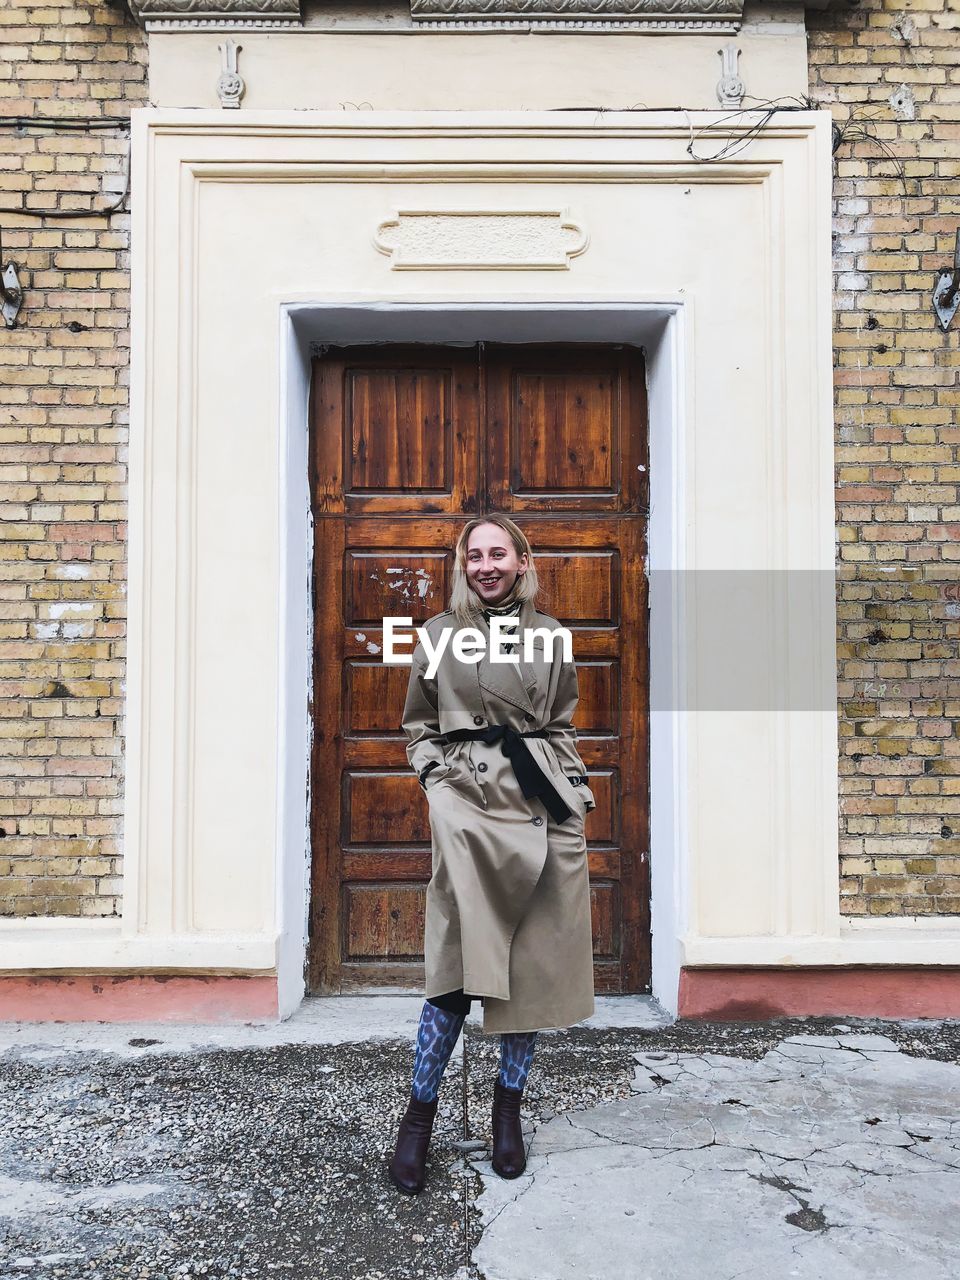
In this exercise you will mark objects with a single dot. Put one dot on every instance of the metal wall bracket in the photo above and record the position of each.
(946, 291)
(11, 292)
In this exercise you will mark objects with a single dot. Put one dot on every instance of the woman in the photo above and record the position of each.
(508, 903)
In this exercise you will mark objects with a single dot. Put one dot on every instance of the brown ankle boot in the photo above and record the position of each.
(407, 1169)
(509, 1155)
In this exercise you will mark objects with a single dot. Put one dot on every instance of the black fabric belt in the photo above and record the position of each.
(533, 781)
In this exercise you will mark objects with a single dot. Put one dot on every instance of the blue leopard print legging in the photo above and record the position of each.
(436, 1036)
(516, 1055)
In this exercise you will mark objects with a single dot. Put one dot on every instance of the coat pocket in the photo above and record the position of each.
(553, 760)
(447, 770)
(587, 796)
(435, 777)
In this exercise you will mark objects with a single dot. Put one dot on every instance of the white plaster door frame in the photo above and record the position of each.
(657, 328)
(236, 220)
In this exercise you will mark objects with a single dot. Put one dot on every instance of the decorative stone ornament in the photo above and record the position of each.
(699, 16)
(730, 88)
(480, 239)
(680, 15)
(230, 86)
(205, 14)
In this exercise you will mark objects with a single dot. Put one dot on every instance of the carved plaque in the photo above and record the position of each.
(480, 240)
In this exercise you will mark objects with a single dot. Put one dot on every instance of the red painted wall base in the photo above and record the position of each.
(137, 998)
(754, 994)
(745, 994)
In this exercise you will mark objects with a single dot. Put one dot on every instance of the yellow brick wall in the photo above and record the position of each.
(63, 438)
(897, 210)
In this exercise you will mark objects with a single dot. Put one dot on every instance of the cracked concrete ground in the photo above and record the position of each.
(831, 1155)
(807, 1149)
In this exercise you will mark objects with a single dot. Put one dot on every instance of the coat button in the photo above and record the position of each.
(478, 719)
(537, 821)
(481, 767)
(528, 716)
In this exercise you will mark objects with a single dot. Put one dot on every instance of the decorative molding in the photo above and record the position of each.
(197, 484)
(208, 14)
(480, 239)
(730, 89)
(672, 15)
(703, 17)
(230, 86)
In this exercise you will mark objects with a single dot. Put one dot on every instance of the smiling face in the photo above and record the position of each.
(492, 562)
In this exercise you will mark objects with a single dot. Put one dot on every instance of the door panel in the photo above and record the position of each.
(383, 921)
(401, 581)
(557, 437)
(582, 586)
(371, 694)
(406, 435)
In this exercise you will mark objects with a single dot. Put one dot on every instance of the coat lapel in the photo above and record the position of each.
(534, 675)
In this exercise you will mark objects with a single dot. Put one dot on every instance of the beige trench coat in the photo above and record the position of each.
(508, 903)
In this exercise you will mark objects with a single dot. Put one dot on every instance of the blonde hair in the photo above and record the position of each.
(464, 601)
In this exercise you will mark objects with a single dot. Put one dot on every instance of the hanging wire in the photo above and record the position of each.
(75, 124)
(769, 107)
(856, 128)
(105, 212)
(859, 128)
(67, 123)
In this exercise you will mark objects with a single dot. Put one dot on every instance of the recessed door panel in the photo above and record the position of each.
(406, 435)
(557, 434)
(395, 583)
(400, 431)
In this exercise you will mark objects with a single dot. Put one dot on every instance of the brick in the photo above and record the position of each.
(898, 462)
(65, 391)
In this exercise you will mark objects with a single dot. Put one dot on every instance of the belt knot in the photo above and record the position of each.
(533, 781)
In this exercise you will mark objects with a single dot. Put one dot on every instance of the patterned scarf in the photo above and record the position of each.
(502, 610)
(510, 643)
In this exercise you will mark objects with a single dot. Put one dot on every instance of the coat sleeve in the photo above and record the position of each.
(421, 720)
(563, 736)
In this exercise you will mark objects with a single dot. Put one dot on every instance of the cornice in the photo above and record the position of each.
(693, 16)
(207, 14)
(679, 15)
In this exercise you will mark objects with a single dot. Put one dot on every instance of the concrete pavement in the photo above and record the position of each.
(800, 1149)
(832, 1155)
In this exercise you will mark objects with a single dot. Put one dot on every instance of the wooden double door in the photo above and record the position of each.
(407, 443)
